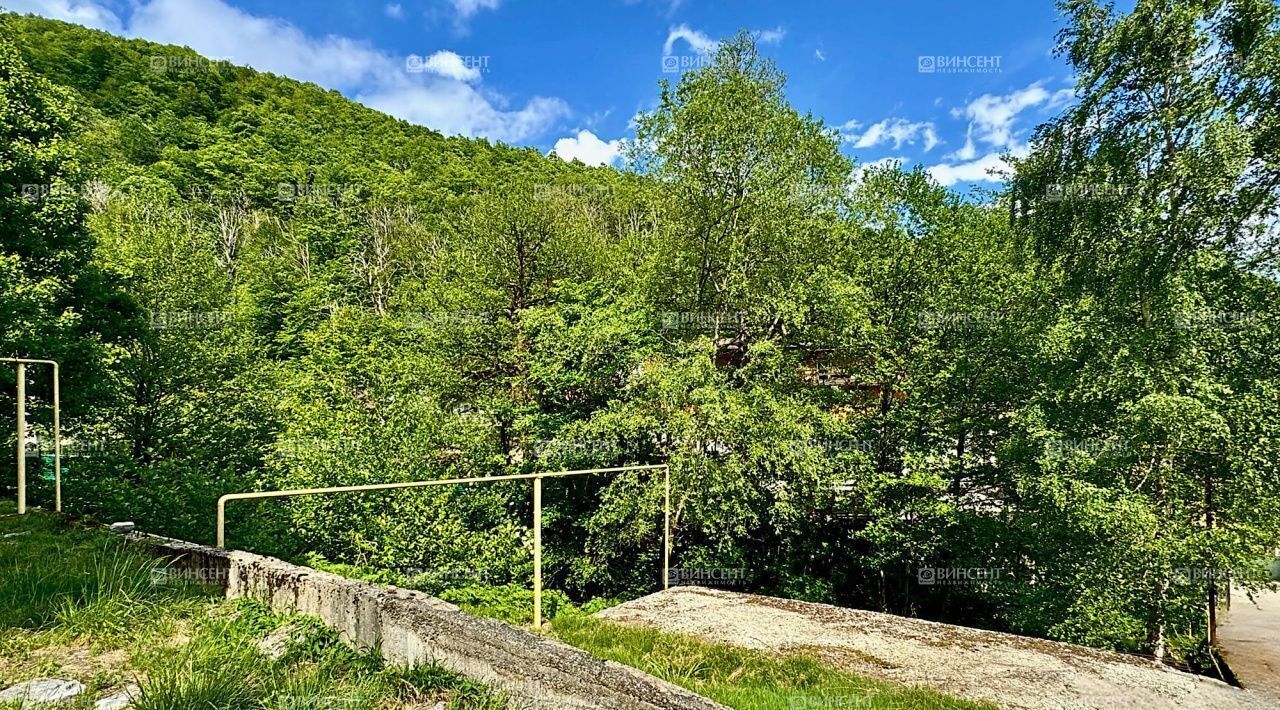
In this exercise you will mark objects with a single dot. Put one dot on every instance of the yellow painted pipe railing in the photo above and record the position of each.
(537, 510)
(22, 363)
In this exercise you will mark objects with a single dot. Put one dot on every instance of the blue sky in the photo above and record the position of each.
(571, 76)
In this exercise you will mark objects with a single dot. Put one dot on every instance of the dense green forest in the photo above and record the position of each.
(1068, 390)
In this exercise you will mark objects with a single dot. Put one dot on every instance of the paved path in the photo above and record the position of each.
(1007, 670)
(1250, 639)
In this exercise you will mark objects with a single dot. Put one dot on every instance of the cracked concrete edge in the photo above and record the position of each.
(409, 627)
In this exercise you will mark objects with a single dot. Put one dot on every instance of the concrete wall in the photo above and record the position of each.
(413, 627)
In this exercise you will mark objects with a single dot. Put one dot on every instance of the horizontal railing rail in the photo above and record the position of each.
(537, 509)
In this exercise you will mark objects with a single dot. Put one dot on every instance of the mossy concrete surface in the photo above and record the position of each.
(1004, 669)
(413, 627)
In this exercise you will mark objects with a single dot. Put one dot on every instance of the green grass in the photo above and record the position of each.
(69, 591)
(510, 603)
(75, 580)
(222, 667)
(738, 678)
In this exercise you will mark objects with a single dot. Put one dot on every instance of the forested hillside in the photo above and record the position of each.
(1051, 409)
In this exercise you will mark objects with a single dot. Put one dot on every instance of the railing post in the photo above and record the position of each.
(666, 527)
(22, 438)
(222, 522)
(57, 439)
(537, 553)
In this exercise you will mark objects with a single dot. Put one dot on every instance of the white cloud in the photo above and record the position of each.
(930, 137)
(966, 152)
(819, 55)
(993, 117)
(588, 148)
(596, 118)
(214, 28)
(394, 11)
(451, 66)
(702, 43)
(773, 36)
(699, 41)
(81, 12)
(898, 130)
(1061, 98)
(993, 122)
(971, 171)
(453, 107)
(448, 97)
(466, 8)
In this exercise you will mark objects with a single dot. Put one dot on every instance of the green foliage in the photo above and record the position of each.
(1157, 266)
(854, 375)
(509, 603)
(55, 301)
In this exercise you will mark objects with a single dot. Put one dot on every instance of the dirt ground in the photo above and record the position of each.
(1007, 670)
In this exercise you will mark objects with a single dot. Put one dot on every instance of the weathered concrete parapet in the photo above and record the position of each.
(188, 559)
(411, 627)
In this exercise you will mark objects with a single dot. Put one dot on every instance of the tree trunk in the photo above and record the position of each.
(1212, 602)
(1155, 635)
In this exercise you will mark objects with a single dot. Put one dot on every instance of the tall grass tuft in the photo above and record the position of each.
(188, 649)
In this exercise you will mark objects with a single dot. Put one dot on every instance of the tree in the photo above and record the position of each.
(55, 302)
(1167, 168)
(754, 185)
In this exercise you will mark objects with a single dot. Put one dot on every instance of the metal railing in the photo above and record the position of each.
(537, 510)
(22, 430)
